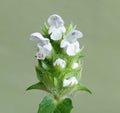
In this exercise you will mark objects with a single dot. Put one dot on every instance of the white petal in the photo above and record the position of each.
(55, 20)
(48, 47)
(60, 62)
(56, 35)
(51, 29)
(54, 28)
(75, 65)
(72, 49)
(73, 80)
(70, 81)
(76, 46)
(64, 43)
(62, 29)
(73, 35)
(36, 36)
(42, 40)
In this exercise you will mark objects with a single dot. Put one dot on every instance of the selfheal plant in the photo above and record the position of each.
(59, 65)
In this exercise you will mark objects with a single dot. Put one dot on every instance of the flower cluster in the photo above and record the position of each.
(59, 58)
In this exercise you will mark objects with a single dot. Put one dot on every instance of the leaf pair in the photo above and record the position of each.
(49, 105)
(41, 86)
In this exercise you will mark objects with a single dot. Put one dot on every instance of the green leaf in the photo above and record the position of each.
(47, 105)
(39, 86)
(64, 107)
(83, 88)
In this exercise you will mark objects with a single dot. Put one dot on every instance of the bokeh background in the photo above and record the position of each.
(99, 20)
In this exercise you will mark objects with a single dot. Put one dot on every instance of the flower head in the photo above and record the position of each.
(44, 46)
(56, 27)
(60, 62)
(70, 43)
(70, 81)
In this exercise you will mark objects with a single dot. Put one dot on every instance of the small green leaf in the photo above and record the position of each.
(65, 106)
(47, 105)
(39, 86)
(83, 88)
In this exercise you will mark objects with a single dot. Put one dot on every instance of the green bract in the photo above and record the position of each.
(59, 64)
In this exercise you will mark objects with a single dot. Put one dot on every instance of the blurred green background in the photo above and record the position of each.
(99, 20)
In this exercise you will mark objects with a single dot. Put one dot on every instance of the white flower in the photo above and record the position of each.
(44, 46)
(43, 51)
(75, 65)
(60, 62)
(56, 27)
(70, 81)
(70, 48)
(70, 43)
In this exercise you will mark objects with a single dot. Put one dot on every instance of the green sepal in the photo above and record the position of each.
(39, 73)
(47, 105)
(39, 86)
(55, 82)
(45, 31)
(83, 88)
(65, 106)
(70, 27)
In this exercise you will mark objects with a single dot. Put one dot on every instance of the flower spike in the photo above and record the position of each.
(59, 65)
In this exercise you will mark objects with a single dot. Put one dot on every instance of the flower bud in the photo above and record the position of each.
(75, 65)
(70, 81)
(60, 62)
